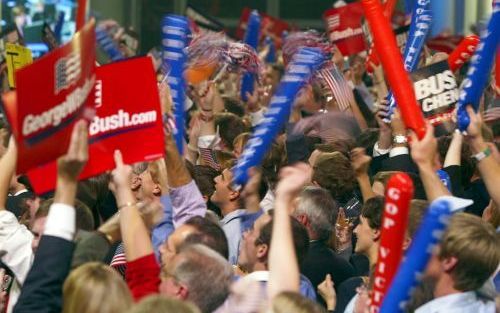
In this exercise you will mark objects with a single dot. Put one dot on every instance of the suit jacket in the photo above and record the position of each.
(322, 260)
(42, 290)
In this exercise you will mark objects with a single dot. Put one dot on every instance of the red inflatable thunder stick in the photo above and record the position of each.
(372, 58)
(81, 13)
(392, 62)
(398, 195)
(463, 52)
(497, 73)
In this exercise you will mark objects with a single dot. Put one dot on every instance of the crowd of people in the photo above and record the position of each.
(303, 235)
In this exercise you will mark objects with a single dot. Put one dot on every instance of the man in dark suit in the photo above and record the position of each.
(317, 211)
(42, 290)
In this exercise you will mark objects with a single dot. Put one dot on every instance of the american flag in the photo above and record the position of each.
(209, 158)
(67, 71)
(339, 87)
(119, 261)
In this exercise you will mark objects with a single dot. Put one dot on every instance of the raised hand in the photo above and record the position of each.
(360, 161)
(121, 175)
(70, 165)
(424, 151)
(474, 129)
(293, 179)
(327, 291)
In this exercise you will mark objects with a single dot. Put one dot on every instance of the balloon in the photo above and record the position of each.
(419, 29)
(463, 52)
(252, 39)
(299, 71)
(372, 58)
(479, 70)
(418, 255)
(398, 195)
(81, 14)
(385, 42)
(271, 54)
(59, 26)
(497, 73)
(175, 31)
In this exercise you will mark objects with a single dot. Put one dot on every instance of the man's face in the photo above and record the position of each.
(364, 234)
(33, 205)
(37, 230)
(223, 192)
(148, 189)
(169, 286)
(169, 248)
(434, 268)
(250, 249)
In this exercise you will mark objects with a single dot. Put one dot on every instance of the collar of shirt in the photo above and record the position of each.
(457, 303)
(233, 215)
(20, 192)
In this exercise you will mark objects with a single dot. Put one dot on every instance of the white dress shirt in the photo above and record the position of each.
(15, 247)
(15, 242)
(465, 302)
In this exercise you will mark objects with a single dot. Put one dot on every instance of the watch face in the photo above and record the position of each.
(399, 139)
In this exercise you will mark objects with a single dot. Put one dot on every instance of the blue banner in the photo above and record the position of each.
(479, 70)
(175, 31)
(252, 39)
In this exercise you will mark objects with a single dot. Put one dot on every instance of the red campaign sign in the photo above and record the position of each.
(128, 118)
(345, 28)
(270, 26)
(52, 94)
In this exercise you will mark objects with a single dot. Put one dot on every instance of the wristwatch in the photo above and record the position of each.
(482, 155)
(399, 139)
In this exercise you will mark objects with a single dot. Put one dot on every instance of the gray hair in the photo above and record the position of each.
(321, 210)
(206, 274)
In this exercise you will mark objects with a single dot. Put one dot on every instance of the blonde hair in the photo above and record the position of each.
(474, 244)
(158, 171)
(292, 302)
(95, 287)
(159, 304)
(241, 139)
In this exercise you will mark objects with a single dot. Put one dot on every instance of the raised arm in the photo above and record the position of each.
(134, 233)
(454, 153)
(423, 153)
(186, 198)
(285, 276)
(7, 169)
(360, 163)
(486, 164)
